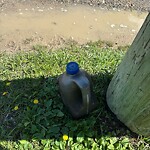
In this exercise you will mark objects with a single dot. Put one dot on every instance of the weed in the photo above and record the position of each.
(32, 115)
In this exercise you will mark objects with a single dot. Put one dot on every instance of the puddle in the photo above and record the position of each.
(79, 23)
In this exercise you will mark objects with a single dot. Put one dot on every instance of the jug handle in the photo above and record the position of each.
(85, 90)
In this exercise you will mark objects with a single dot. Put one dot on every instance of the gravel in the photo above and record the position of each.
(139, 5)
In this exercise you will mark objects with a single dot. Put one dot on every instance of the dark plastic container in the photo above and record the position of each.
(76, 91)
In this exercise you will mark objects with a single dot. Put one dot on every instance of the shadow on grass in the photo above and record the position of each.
(49, 118)
(2, 148)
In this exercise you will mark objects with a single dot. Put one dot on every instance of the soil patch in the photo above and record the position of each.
(27, 24)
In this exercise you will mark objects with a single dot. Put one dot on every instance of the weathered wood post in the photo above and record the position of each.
(128, 95)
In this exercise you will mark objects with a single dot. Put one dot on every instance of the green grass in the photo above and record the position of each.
(25, 77)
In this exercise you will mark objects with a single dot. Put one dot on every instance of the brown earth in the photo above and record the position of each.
(23, 25)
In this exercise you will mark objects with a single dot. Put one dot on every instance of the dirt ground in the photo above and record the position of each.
(139, 5)
(53, 24)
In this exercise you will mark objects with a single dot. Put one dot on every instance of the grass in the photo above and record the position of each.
(32, 115)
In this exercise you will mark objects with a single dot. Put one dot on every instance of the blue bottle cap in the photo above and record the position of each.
(72, 68)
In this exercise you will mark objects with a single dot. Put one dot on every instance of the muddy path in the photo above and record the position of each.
(53, 26)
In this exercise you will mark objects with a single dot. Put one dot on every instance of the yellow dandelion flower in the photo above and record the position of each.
(8, 84)
(5, 93)
(35, 101)
(65, 137)
(16, 108)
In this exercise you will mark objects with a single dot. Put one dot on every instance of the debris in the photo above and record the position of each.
(123, 26)
(64, 10)
(133, 30)
(112, 25)
(40, 10)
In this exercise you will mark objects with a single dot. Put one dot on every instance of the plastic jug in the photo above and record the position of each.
(76, 90)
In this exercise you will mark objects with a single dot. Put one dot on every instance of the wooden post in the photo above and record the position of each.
(128, 95)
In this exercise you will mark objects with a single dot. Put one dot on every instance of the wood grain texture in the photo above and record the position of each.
(128, 95)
